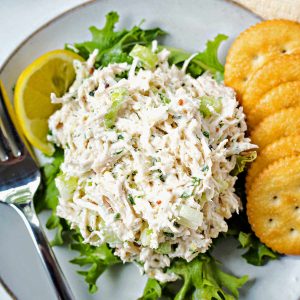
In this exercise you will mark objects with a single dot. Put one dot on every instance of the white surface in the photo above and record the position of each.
(3, 294)
(190, 23)
(19, 18)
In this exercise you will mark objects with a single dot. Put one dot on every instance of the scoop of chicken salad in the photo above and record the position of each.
(148, 158)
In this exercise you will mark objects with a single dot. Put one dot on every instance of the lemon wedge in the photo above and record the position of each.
(52, 72)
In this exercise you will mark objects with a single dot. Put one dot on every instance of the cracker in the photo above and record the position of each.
(273, 206)
(279, 70)
(257, 45)
(274, 127)
(284, 147)
(283, 96)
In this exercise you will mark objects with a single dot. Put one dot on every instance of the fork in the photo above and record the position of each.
(19, 180)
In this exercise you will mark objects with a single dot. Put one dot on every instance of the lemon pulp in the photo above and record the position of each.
(53, 72)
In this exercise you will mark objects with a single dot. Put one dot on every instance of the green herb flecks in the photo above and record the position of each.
(205, 168)
(169, 234)
(164, 99)
(185, 195)
(131, 200)
(196, 181)
(206, 134)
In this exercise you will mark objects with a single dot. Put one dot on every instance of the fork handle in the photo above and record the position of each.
(55, 274)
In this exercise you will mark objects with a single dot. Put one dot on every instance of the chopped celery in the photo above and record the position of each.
(164, 248)
(146, 236)
(190, 217)
(203, 198)
(207, 103)
(145, 55)
(68, 185)
(118, 97)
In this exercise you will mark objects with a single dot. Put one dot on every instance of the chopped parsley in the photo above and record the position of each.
(206, 134)
(118, 152)
(130, 199)
(162, 178)
(205, 168)
(177, 225)
(164, 99)
(92, 93)
(195, 181)
(185, 195)
(169, 234)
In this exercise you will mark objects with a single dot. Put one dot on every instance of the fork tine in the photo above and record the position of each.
(3, 148)
(9, 133)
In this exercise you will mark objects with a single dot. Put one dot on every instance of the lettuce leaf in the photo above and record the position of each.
(98, 259)
(46, 198)
(242, 160)
(115, 46)
(257, 254)
(152, 291)
(204, 61)
(202, 278)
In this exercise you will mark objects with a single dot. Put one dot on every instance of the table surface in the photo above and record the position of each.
(20, 18)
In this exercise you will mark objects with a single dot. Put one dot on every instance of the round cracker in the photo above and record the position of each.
(284, 147)
(283, 96)
(282, 69)
(257, 45)
(273, 206)
(276, 126)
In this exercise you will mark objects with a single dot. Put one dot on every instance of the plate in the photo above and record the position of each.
(190, 24)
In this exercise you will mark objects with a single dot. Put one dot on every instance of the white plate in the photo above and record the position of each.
(189, 23)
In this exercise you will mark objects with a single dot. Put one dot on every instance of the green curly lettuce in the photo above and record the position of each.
(204, 61)
(114, 46)
(202, 278)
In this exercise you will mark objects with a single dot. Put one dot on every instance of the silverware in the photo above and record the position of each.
(19, 179)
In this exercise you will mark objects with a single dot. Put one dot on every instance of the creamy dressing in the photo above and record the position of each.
(156, 185)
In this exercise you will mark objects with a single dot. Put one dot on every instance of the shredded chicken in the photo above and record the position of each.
(155, 185)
